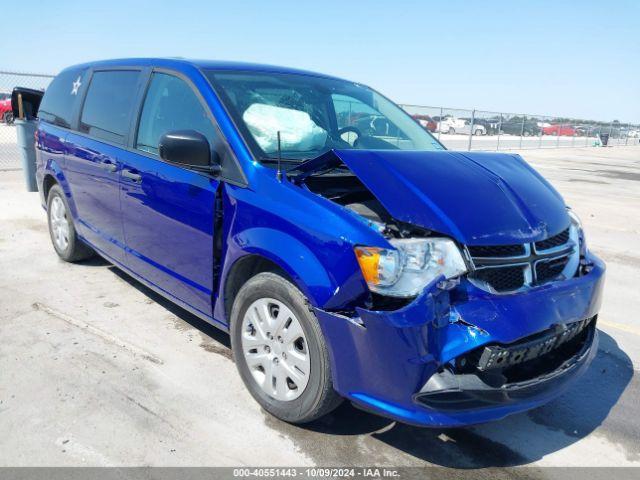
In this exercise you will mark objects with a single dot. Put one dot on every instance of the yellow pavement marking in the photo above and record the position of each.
(621, 326)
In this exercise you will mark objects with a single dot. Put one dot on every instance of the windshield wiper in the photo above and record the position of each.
(290, 161)
(311, 167)
(320, 165)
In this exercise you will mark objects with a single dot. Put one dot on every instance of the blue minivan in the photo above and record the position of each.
(348, 254)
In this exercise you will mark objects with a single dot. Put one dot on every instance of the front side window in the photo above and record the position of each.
(61, 96)
(314, 114)
(106, 109)
(170, 104)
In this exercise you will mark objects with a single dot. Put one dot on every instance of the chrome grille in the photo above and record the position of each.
(509, 268)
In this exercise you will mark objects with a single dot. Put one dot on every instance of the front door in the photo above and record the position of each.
(168, 211)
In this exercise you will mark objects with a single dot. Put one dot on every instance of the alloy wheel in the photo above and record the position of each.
(59, 224)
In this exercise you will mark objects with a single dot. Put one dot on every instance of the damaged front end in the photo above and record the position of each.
(507, 331)
(496, 375)
(460, 356)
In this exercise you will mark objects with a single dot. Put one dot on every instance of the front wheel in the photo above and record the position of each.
(280, 351)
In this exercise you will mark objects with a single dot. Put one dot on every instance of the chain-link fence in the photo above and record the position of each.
(457, 129)
(9, 155)
(479, 130)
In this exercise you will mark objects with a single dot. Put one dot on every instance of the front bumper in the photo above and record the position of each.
(389, 362)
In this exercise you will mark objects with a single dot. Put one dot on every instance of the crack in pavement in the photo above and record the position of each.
(136, 351)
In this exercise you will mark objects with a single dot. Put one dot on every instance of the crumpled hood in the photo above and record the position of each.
(477, 198)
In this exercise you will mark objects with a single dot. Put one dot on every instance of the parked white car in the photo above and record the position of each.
(454, 125)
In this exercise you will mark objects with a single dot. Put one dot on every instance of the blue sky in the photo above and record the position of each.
(572, 58)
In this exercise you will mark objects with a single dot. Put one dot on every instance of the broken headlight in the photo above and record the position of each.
(403, 271)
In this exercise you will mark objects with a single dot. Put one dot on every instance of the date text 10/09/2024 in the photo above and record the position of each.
(315, 472)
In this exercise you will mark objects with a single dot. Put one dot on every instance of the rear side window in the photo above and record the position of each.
(61, 97)
(106, 109)
(170, 104)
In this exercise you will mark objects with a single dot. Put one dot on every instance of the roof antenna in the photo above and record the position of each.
(279, 171)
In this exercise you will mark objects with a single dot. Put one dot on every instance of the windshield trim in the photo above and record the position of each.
(247, 138)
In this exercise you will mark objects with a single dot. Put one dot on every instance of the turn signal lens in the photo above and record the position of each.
(369, 259)
(380, 266)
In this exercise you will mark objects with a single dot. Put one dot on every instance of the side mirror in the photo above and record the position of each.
(188, 148)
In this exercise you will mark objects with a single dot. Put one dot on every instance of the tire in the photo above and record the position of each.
(317, 397)
(451, 131)
(8, 118)
(61, 229)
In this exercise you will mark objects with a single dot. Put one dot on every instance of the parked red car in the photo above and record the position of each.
(562, 130)
(6, 114)
(427, 122)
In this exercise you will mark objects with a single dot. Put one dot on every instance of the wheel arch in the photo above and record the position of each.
(245, 268)
(47, 182)
(52, 174)
(263, 249)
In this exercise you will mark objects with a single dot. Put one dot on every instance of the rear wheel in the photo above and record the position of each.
(63, 233)
(280, 351)
(8, 118)
(451, 131)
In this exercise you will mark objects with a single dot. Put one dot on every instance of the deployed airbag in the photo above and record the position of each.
(297, 130)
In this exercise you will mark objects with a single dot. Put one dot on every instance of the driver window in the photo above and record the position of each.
(170, 104)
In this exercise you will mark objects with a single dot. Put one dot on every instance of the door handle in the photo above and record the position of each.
(132, 175)
(109, 166)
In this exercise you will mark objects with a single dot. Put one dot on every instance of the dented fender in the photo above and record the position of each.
(403, 344)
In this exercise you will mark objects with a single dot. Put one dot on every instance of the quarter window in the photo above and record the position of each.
(105, 114)
(61, 96)
(170, 105)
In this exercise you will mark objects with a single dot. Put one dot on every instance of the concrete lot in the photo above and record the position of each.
(95, 369)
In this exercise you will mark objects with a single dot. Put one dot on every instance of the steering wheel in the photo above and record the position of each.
(350, 128)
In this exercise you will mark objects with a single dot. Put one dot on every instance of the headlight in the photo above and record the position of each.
(576, 225)
(410, 266)
(574, 218)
